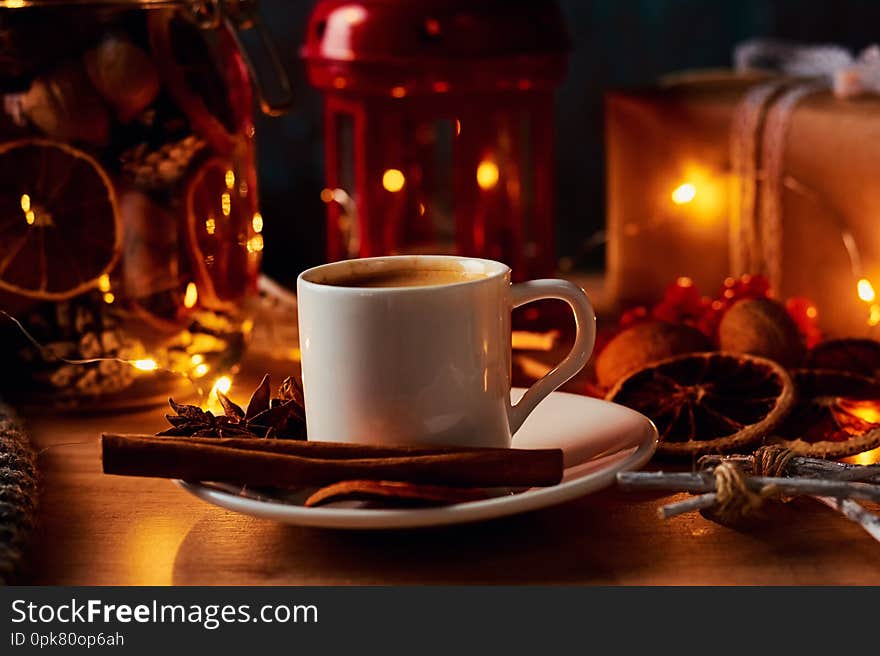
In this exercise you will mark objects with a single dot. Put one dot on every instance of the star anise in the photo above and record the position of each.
(281, 417)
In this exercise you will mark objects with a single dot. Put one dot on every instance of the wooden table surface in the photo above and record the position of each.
(108, 530)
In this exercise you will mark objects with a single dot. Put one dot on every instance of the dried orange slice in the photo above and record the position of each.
(220, 234)
(837, 414)
(60, 228)
(708, 402)
(854, 355)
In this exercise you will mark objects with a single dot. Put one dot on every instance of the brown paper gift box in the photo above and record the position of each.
(660, 138)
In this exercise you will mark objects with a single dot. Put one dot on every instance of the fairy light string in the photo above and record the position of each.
(146, 365)
(686, 191)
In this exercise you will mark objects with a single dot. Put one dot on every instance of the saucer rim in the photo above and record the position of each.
(632, 455)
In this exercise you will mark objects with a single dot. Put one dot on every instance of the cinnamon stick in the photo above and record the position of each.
(260, 462)
(313, 449)
(394, 493)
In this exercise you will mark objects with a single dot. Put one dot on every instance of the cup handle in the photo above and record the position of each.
(585, 338)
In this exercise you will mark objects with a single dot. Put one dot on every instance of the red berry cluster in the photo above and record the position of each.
(806, 317)
(682, 303)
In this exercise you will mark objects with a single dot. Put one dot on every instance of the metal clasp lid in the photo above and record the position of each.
(242, 18)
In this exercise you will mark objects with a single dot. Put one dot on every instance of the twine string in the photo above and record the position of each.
(759, 134)
(772, 461)
(776, 128)
(734, 499)
(748, 118)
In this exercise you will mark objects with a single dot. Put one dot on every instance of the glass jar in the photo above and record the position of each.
(130, 232)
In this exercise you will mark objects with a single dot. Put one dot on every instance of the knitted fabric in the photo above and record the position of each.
(18, 493)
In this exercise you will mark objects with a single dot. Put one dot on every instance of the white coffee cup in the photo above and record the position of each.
(425, 363)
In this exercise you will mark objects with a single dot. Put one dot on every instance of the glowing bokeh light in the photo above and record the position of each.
(487, 174)
(684, 193)
(393, 180)
(866, 290)
(222, 384)
(191, 295)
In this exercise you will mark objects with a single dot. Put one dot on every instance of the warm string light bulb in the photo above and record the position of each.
(487, 174)
(684, 193)
(146, 365)
(221, 386)
(393, 180)
(865, 290)
(190, 296)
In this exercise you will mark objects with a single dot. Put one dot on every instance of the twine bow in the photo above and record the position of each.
(847, 75)
(759, 132)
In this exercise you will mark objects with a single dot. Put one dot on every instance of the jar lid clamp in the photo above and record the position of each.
(241, 17)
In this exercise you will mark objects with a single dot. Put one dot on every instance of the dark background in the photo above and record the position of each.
(615, 43)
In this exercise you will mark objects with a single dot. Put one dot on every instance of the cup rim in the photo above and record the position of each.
(495, 270)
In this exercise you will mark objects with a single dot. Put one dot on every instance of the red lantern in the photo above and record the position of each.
(439, 126)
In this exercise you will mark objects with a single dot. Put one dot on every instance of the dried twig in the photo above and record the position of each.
(856, 513)
(802, 466)
(805, 466)
(702, 482)
(833, 484)
(700, 502)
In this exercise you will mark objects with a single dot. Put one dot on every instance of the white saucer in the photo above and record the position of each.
(598, 439)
